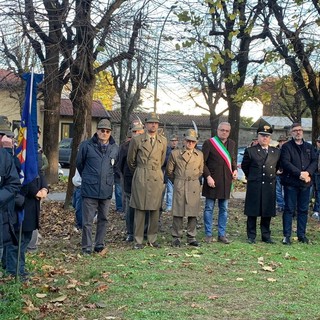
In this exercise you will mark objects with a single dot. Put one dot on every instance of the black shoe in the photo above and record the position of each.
(286, 241)
(176, 243)
(86, 251)
(138, 246)
(194, 243)
(268, 240)
(303, 239)
(154, 245)
(129, 238)
(98, 249)
(251, 241)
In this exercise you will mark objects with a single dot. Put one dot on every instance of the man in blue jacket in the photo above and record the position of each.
(95, 163)
(299, 162)
(9, 186)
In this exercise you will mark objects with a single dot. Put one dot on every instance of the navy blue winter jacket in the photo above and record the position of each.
(294, 159)
(96, 168)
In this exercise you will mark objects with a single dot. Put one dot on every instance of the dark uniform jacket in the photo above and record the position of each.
(124, 168)
(294, 159)
(215, 166)
(9, 186)
(260, 170)
(96, 168)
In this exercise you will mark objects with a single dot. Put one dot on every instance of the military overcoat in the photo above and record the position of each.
(260, 170)
(185, 168)
(145, 161)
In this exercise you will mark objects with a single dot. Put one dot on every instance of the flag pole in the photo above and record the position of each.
(19, 251)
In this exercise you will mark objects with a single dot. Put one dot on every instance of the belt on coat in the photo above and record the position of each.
(186, 179)
(149, 167)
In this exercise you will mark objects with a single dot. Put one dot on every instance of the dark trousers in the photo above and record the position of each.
(12, 254)
(295, 198)
(264, 227)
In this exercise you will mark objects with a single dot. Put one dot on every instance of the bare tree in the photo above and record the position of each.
(228, 59)
(294, 40)
(67, 40)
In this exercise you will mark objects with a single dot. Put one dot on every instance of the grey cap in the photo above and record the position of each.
(137, 125)
(174, 137)
(104, 124)
(5, 130)
(282, 138)
(152, 117)
(191, 135)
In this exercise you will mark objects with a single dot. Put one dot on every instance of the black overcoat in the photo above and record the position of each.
(216, 167)
(31, 203)
(260, 170)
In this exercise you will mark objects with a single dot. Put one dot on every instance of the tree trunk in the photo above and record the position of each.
(52, 88)
(234, 120)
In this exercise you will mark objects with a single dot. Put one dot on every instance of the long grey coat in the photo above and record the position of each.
(146, 161)
(185, 168)
(260, 170)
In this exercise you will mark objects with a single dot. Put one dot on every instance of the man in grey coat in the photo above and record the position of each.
(146, 156)
(95, 163)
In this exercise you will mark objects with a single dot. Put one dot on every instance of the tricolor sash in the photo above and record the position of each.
(222, 150)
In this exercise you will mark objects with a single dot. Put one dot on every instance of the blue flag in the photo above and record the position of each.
(27, 149)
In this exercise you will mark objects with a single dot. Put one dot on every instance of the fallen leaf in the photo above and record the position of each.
(101, 304)
(267, 268)
(240, 279)
(102, 288)
(261, 260)
(213, 297)
(41, 295)
(103, 252)
(271, 279)
(59, 299)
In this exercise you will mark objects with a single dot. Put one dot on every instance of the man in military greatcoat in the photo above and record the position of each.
(146, 155)
(184, 167)
(260, 164)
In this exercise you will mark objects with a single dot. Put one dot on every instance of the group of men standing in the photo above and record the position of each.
(296, 164)
(141, 161)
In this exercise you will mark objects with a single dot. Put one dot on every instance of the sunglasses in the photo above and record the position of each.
(105, 130)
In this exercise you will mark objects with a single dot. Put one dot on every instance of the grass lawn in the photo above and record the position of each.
(214, 281)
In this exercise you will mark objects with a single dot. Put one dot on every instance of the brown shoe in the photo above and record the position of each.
(154, 244)
(208, 239)
(223, 239)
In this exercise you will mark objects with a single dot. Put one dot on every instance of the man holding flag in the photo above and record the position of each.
(34, 186)
(220, 168)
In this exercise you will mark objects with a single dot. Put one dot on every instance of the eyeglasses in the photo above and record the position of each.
(224, 130)
(105, 130)
(190, 141)
(297, 130)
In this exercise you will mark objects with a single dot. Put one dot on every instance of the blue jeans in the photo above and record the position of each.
(222, 217)
(77, 204)
(295, 198)
(118, 196)
(169, 195)
(279, 193)
(12, 254)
